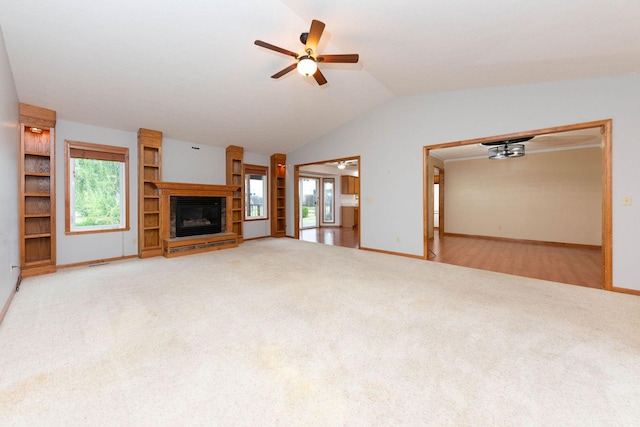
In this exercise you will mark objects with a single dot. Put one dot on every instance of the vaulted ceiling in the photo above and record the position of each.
(191, 70)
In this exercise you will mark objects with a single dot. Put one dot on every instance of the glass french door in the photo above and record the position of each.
(328, 204)
(309, 189)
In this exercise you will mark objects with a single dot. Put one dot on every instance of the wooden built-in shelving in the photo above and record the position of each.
(149, 171)
(278, 195)
(37, 190)
(235, 177)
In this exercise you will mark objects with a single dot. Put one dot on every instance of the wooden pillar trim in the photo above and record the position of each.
(37, 116)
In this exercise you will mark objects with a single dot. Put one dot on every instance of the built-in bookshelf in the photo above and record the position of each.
(235, 177)
(149, 171)
(278, 195)
(37, 191)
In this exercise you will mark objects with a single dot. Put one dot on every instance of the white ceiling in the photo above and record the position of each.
(575, 139)
(191, 70)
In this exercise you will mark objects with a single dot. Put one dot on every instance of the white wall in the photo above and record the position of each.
(9, 142)
(181, 162)
(77, 248)
(390, 141)
(192, 163)
(553, 196)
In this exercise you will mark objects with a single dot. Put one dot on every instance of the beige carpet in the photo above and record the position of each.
(283, 332)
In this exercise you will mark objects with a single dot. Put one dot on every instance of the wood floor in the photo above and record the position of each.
(335, 236)
(564, 264)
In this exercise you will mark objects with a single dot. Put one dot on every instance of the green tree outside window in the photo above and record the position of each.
(97, 192)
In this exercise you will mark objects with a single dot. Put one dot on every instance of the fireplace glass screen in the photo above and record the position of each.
(198, 215)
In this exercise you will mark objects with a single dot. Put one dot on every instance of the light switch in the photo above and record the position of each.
(626, 200)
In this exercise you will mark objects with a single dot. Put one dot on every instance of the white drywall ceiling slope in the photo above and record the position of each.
(191, 70)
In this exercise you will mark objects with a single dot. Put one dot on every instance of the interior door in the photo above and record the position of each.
(309, 189)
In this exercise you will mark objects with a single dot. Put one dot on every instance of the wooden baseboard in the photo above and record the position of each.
(150, 253)
(532, 242)
(393, 253)
(5, 309)
(626, 291)
(97, 261)
(257, 238)
(37, 270)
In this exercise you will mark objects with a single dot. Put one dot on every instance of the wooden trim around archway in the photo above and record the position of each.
(607, 201)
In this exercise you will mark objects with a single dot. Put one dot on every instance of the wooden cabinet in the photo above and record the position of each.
(350, 216)
(149, 170)
(235, 177)
(37, 190)
(350, 184)
(278, 195)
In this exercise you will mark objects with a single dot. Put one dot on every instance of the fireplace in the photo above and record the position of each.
(196, 216)
(206, 217)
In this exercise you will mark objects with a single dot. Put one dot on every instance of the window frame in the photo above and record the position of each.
(256, 170)
(333, 200)
(86, 150)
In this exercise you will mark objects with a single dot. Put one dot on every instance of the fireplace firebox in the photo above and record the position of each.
(199, 215)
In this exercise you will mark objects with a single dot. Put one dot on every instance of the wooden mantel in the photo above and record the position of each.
(184, 245)
(187, 189)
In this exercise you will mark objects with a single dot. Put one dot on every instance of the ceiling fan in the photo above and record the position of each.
(506, 149)
(307, 62)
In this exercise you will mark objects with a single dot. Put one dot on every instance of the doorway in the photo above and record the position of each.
(335, 203)
(309, 190)
(438, 200)
(602, 129)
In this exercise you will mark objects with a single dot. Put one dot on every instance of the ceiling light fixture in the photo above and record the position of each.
(342, 165)
(507, 149)
(36, 130)
(307, 66)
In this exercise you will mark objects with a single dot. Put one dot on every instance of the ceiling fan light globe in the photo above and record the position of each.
(307, 66)
(506, 151)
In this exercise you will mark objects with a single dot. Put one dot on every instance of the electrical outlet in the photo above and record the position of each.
(397, 239)
(626, 200)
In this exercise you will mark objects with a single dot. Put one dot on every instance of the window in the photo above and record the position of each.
(255, 192)
(327, 199)
(97, 188)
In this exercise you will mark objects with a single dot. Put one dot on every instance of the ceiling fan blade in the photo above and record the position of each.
(319, 77)
(347, 58)
(276, 48)
(313, 38)
(285, 71)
